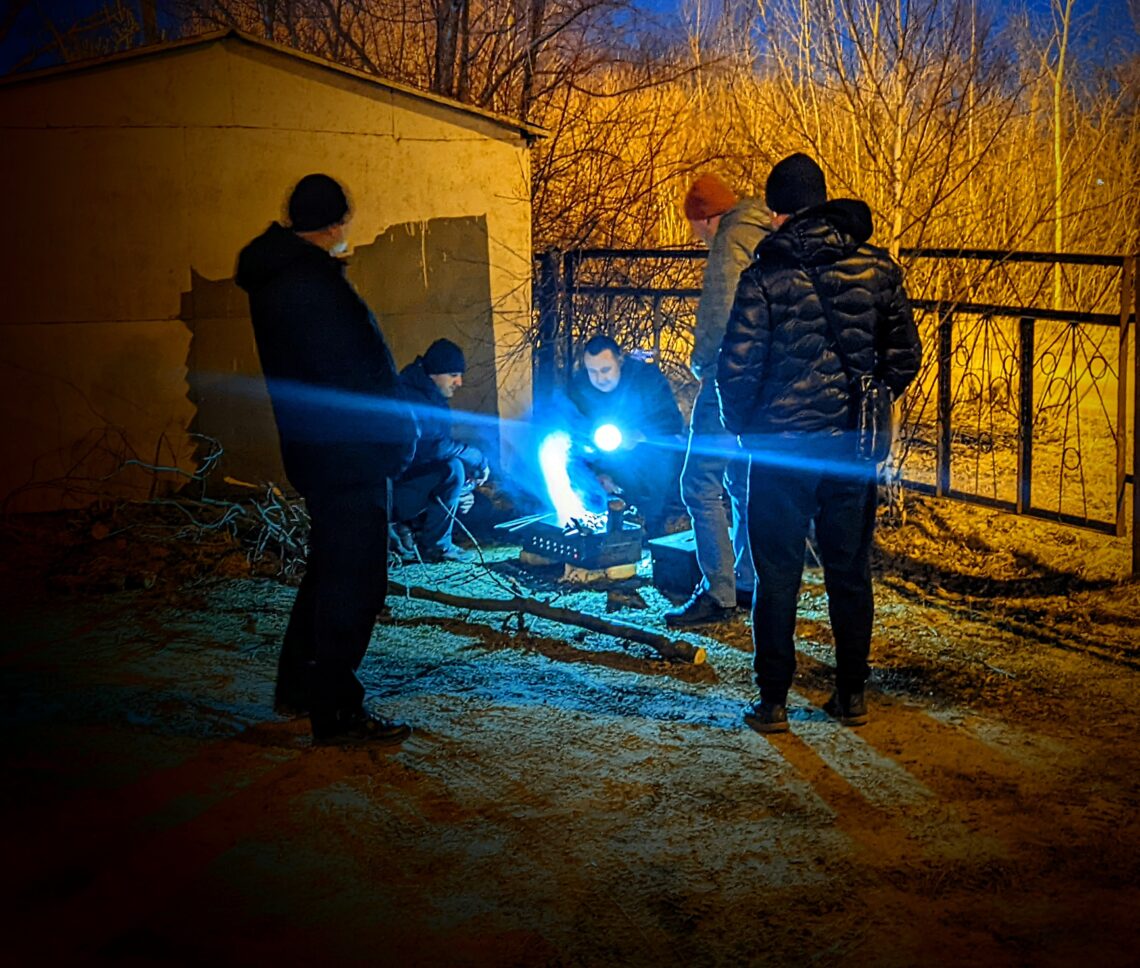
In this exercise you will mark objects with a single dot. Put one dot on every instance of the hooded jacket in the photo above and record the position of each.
(335, 391)
(434, 415)
(779, 371)
(740, 230)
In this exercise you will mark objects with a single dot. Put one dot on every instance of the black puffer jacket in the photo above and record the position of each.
(778, 371)
(336, 395)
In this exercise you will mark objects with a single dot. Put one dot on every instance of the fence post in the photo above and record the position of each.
(657, 324)
(569, 272)
(1025, 416)
(945, 362)
(1132, 265)
(546, 352)
(1123, 397)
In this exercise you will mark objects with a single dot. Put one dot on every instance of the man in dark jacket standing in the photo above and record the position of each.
(445, 470)
(345, 432)
(817, 303)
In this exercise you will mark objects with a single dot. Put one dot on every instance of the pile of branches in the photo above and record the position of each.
(211, 526)
(265, 522)
(271, 527)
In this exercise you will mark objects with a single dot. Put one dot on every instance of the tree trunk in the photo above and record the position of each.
(662, 645)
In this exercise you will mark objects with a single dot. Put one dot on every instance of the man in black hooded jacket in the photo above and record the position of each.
(816, 309)
(345, 432)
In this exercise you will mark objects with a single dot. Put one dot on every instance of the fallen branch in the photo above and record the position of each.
(662, 645)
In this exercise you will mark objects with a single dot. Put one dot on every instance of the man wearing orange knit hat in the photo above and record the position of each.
(731, 227)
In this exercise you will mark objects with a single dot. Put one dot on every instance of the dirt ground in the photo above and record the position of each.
(566, 798)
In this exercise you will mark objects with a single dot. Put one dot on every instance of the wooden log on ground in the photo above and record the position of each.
(665, 647)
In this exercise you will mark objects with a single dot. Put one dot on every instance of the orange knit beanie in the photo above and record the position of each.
(708, 197)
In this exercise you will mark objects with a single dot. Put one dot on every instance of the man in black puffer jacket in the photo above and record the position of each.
(784, 389)
(345, 432)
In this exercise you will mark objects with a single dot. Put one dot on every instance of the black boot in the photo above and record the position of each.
(850, 710)
(358, 728)
(701, 609)
(767, 717)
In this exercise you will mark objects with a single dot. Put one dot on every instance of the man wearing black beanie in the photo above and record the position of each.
(345, 431)
(441, 481)
(816, 311)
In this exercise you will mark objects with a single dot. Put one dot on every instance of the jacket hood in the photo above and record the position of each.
(748, 211)
(414, 375)
(275, 251)
(822, 234)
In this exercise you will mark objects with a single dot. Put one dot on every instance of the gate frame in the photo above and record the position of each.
(558, 287)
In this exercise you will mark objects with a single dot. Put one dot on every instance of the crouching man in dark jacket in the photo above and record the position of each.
(816, 304)
(442, 478)
(345, 432)
(633, 395)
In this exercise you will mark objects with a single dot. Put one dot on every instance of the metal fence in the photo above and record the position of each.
(1024, 401)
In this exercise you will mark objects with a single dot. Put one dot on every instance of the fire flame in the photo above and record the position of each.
(553, 457)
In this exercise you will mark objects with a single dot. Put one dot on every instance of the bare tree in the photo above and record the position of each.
(112, 27)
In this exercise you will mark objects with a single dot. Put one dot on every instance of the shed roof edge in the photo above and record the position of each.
(529, 131)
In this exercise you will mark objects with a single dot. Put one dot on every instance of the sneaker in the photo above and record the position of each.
(851, 711)
(402, 542)
(767, 717)
(701, 609)
(448, 553)
(360, 729)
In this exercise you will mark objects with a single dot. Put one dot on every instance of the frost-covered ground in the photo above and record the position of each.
(566, 798)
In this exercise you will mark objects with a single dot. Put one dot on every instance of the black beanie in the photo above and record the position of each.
(443, 356)
(317, 202)
(796, 183)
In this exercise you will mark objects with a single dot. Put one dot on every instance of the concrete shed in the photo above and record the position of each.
(132, 182)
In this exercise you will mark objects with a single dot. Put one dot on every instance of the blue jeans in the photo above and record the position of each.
(714, 463)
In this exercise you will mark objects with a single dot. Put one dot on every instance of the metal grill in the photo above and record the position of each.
(613, 539)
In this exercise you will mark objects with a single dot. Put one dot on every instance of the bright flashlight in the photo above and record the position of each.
(607, 437)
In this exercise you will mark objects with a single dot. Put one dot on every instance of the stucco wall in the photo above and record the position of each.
(136, 174)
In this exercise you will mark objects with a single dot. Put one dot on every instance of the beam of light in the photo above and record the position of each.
(331, 414)
(607, 437)
(553, 457)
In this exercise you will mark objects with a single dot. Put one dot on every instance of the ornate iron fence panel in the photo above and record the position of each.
(1027, 396)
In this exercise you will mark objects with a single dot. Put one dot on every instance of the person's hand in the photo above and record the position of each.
(466, 502)
(482, 474)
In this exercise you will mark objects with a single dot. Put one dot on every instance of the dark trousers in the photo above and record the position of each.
(785, 494)
(345, 584)
(432, 490)
(650, 478)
